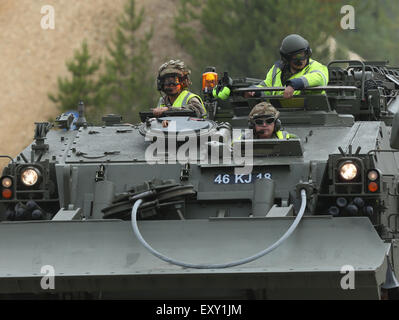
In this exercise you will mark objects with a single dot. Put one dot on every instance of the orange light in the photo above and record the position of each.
(209, 80)
(7, 194)
(373, 187)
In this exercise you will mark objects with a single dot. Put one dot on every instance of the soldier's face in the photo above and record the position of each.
(172, 85)
(298, 62)
(264, 128)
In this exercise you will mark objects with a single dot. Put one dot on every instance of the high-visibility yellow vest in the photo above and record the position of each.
(184, 97)
(313, 75)
(285, 135)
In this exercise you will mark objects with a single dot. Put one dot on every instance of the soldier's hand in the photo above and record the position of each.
(221, 92)
(249, 94)
(288, 92)
(158, 111)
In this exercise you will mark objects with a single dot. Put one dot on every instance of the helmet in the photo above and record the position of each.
(173, 67)
(293, 44)
(263, 109)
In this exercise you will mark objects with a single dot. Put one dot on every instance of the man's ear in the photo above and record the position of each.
(277, 125)
(251, 124)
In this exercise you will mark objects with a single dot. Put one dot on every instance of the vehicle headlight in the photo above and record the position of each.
(30, 176)
(348, 171)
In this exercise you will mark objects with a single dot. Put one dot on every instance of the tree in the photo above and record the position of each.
(127, 84)
(244, 36)
(81, 85)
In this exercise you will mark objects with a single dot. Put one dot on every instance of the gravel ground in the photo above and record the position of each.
(31, 58)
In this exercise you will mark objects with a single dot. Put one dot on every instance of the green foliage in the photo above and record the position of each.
(127, 84)
(244, 36)
(81, 86)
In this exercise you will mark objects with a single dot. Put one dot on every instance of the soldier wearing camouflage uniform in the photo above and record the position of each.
(173, 81)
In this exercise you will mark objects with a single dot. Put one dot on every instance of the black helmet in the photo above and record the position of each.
(292, 45)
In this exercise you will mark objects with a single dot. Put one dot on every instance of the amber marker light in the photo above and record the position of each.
(209, 80)
(6, 193)
(372, 175)
(373, 187)
(6, 182)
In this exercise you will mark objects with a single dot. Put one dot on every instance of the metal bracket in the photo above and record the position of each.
(185, 172)
(308, 186)
(41, 130)
(395, 227)
(100, 174)
(67, 214)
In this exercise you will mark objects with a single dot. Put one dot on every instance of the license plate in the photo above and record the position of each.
(240, 178)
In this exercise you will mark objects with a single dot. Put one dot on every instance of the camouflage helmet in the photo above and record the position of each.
(173, 67)
(263, 109)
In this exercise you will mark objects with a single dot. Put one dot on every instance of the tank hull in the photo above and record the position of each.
(104, 259)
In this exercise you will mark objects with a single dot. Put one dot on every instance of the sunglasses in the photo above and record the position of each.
(299, 57)
(171, 81)
(169, 84)
(260, 122)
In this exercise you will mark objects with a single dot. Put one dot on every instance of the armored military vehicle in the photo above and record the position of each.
(175, 207)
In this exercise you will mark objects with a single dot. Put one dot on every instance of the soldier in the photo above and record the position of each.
(296, 71)
(173, 80)
(264, 121)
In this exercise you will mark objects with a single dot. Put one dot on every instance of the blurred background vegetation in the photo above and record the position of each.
(123, 86)
(242, 37)
(376, 36)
